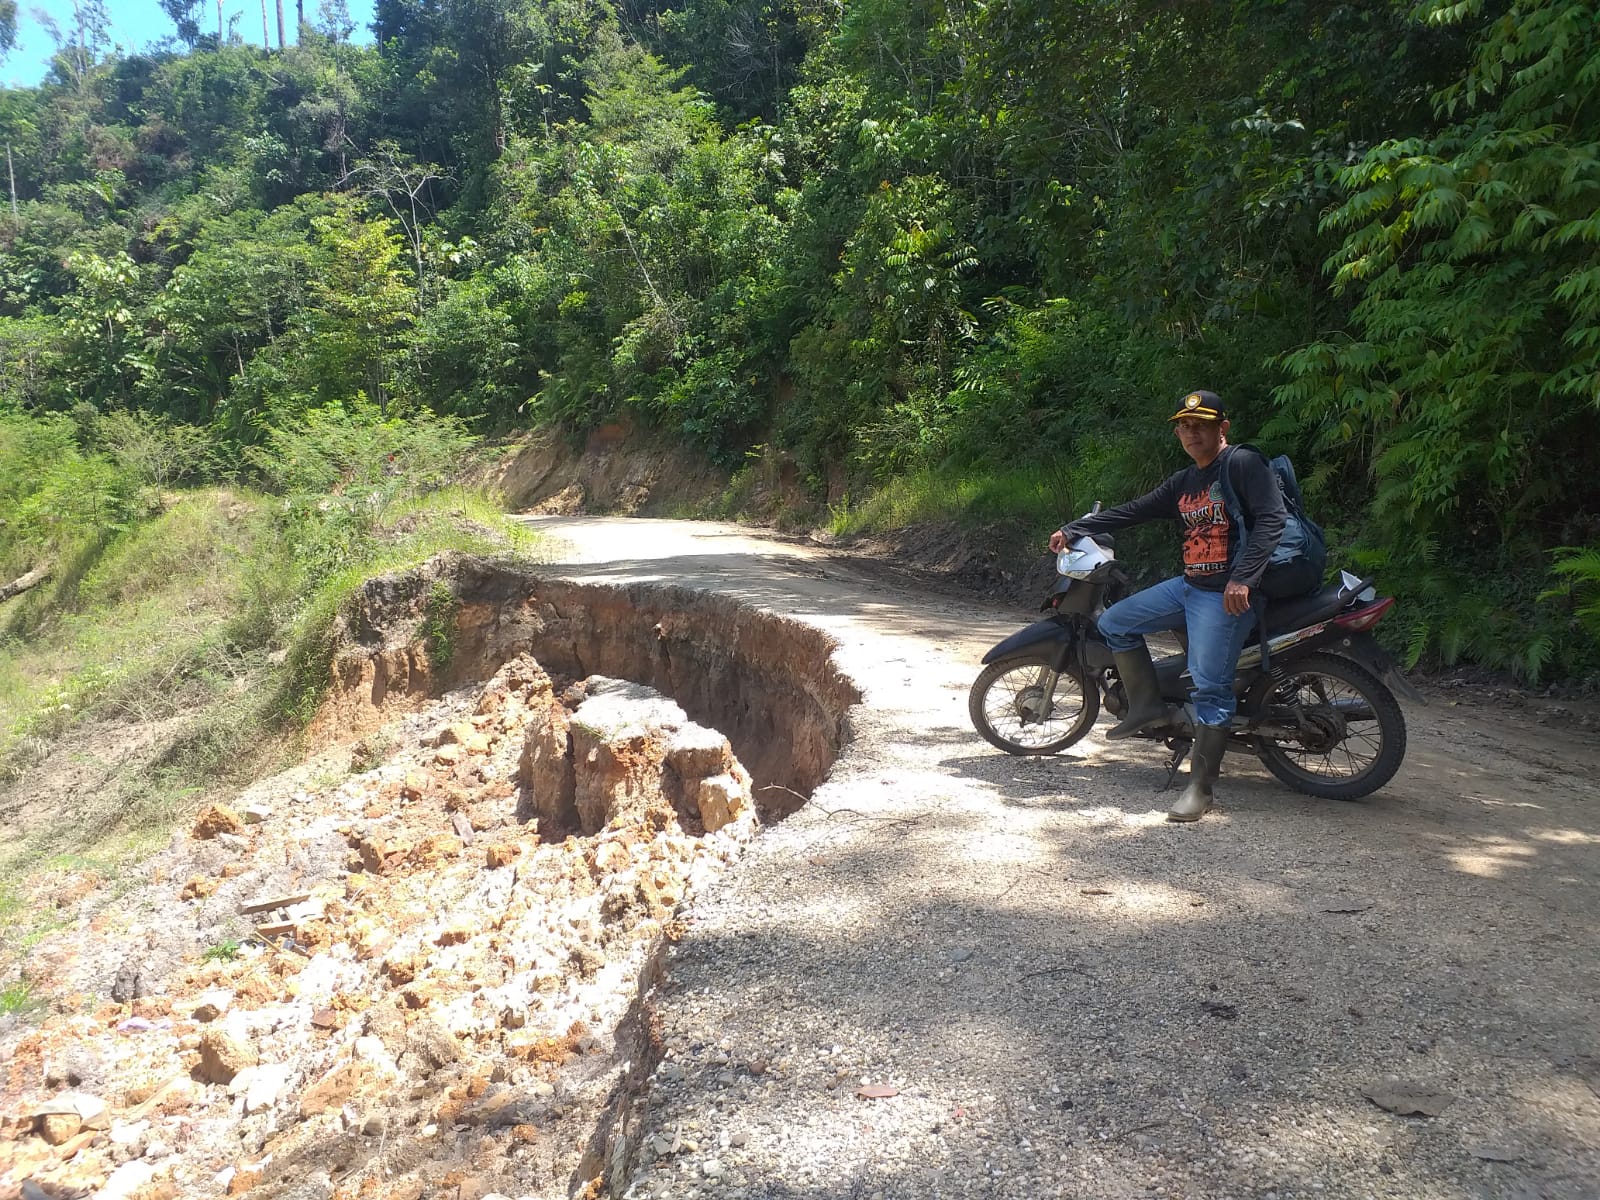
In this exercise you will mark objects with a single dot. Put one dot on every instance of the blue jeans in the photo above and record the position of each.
(1215, 638)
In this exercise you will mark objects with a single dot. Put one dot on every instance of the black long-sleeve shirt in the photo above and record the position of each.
(1212, 555)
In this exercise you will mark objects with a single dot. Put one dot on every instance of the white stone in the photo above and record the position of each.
(319, 978)
(126, 1133)
(266, 1084)
(211, 1004)
(126, 1180)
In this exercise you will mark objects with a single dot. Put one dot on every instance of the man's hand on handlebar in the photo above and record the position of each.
(1058, 542)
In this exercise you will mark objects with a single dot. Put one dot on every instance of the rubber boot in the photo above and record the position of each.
(1143, 689)
(1205, 761)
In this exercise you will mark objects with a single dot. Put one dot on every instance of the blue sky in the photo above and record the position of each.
(135, 24)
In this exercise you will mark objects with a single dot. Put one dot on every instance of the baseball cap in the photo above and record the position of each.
(1206, 406)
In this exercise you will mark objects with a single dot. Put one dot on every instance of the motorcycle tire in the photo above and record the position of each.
(1317, 678)
(998, 699)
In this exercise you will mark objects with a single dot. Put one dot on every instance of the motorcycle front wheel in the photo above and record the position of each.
(1352, 734)
(1008, 707)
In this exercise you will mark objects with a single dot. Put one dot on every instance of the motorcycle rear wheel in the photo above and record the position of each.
(1004, 700)
(1365, 730)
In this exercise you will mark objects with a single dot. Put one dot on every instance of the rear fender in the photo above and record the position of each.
(1364, 649)
(1050, 634)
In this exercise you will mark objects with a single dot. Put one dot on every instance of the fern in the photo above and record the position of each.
(1579, 570)
(1536, 656)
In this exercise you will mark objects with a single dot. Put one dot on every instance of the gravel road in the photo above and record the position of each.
(1068, 996)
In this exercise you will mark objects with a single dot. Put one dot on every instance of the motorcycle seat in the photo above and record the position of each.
(1285, 616)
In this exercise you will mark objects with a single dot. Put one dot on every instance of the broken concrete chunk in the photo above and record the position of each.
(128, 985)
(618, 710)
(454, 734)
(722, 799)
(546, 773)
(430, 1046)
(222, 1056)
(261, 1085)
(215, 819)
(334, 1090)
(695, 752)
(65, 1115)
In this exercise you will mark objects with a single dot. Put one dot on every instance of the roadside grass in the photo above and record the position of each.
(143, 636)
(1025, 497)
(17, 998)
(406, 533)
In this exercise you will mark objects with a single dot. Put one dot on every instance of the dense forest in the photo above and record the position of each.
(890, 239)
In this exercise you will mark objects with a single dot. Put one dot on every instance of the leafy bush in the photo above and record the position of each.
(156, 450)
(352, 448)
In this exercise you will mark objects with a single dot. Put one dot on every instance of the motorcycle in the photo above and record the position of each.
(1320, 711)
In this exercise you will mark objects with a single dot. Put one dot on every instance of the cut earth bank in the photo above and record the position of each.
(950, 973)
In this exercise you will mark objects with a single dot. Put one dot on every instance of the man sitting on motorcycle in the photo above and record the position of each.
(1211, 597)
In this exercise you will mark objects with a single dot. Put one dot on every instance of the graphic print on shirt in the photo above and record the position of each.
(1205, 532)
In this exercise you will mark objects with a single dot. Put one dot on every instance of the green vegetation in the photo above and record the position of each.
(953, 259)
(17, 998)
(222, 952)
(188, 639)
(439, 624)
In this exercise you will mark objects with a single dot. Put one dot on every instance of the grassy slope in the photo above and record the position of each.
(195, 640)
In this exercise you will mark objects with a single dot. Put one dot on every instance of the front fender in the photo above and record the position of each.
(1052, 632)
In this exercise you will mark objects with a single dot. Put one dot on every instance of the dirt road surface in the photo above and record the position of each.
(1061, 994)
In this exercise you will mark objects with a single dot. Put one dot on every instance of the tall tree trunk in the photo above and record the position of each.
(219, 22)
(299, 18)
(280, 25)
(266, 31)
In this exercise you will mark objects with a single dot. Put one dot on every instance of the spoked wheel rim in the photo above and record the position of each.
(1335, 746)
(1006, 706)
(1352, 733)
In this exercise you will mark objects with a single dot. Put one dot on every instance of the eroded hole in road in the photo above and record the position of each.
(426, 974)
(769, 683)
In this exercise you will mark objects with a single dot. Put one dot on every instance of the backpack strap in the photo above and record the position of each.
(1235, 511)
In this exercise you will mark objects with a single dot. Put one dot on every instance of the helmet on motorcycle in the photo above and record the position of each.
(1083, 558)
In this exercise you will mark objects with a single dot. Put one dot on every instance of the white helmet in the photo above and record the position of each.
(1083, 557)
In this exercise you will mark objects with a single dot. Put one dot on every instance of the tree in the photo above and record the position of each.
(8, 27)
(408, 190)
(360, 304)
(84, 42)
(185, 14)
(100, 317)
(1475, 254)
(333, 20)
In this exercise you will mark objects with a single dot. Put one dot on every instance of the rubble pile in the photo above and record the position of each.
(421, 980)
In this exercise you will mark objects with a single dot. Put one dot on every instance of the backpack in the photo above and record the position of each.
(1297, 564)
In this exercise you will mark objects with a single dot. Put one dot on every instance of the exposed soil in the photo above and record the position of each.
(423, 978)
